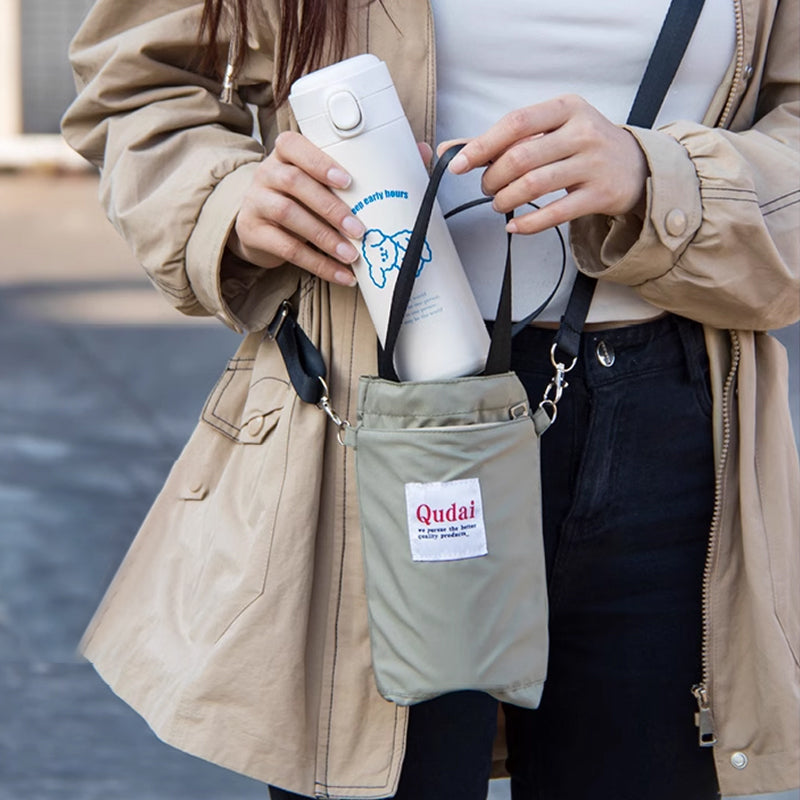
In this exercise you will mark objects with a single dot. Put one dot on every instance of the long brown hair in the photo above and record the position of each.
(306, 27)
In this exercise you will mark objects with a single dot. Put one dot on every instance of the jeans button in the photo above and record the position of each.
(605, 354)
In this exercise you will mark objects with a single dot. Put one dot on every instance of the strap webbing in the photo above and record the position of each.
(408, 269)
(668, 52)
(499, 359)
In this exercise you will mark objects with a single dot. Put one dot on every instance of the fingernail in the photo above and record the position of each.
(346, 252)
(458, 164)
(345, 278)
(353, 227)
(339, 178)
(512, 227)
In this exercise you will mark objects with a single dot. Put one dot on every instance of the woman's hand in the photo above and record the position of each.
(290, 213)
(563, 143)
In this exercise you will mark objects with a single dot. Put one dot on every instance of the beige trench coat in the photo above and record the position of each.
(236, 624)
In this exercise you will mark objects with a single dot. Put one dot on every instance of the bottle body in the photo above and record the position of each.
(359, 121)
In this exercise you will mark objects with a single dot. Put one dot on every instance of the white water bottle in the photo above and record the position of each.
(351, 111)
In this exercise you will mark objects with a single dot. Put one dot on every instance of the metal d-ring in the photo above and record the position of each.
(557, 364)
(275, 326)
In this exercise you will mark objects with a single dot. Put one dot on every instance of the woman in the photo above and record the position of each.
(669, 481)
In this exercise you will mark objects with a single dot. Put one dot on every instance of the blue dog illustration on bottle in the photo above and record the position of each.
(384, 253)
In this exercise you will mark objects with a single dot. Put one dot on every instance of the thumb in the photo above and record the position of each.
(442, 146)
(426, 152)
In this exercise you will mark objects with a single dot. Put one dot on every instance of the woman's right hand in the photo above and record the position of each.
(290, 213)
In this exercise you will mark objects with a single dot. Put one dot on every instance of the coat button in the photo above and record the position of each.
(255, 426)
(747, 73)
(675, 222)
(739, 760)
(605, 354)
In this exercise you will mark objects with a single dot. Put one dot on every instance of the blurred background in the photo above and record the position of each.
(100, 385)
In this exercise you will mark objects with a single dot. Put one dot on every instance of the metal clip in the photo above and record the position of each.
(325, 404)
(274, 327)
(557, 384)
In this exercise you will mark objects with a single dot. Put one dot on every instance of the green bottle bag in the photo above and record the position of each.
(448, 485)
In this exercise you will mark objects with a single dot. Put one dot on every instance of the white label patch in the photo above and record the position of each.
(445, 520)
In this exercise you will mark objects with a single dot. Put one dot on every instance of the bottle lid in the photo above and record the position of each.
(343, 99)
(350, 72)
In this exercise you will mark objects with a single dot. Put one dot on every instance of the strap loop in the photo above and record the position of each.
(304, 362)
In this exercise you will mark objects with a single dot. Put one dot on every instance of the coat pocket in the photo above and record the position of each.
(245, 404)
(229, 493)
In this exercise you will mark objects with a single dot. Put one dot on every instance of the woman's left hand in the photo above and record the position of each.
(563, 143)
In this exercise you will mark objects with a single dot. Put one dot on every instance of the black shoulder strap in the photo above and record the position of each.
(668, 52)
(679, 24)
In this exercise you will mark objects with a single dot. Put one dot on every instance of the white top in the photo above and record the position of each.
(493, 59)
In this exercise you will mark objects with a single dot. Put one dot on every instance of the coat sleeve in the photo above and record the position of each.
(174, 160)
(720, 239)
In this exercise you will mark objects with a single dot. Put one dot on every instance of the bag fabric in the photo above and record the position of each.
(452, 540)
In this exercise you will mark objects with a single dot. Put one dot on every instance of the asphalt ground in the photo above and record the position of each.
(100, 385)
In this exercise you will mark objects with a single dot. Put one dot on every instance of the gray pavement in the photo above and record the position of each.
(100, 385)
(89, 426)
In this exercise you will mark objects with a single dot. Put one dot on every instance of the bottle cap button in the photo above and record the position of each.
(344, 110)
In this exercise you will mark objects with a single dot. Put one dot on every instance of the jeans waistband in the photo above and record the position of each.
(608, 355)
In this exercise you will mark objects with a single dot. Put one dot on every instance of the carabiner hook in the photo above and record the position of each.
(557, 383)
(325, 404)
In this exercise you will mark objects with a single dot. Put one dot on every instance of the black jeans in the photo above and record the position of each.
(628, 490)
